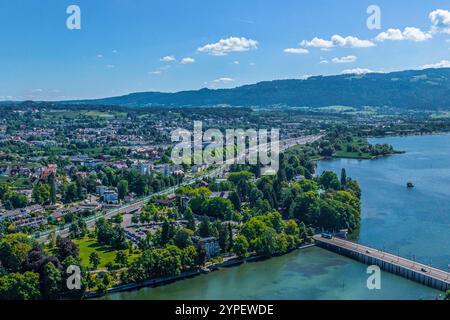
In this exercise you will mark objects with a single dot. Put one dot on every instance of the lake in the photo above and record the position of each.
(409, 222)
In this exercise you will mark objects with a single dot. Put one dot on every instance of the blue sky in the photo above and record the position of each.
(121, 44)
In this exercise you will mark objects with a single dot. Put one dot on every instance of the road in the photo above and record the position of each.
(130, 207)
(388, 257)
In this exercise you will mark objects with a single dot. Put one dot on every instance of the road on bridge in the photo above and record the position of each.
(388, 257)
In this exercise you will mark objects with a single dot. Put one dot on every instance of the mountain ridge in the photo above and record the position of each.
(410, 89)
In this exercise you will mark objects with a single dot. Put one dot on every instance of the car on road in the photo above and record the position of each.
(326, 235)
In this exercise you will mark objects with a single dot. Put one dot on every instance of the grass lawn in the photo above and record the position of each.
(106, 254)
(352, 155)
(105, 115)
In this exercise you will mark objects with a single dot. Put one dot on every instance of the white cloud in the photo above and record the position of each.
(232, 44)
(155, 72)
(440, 20)
(187, 60)
(351, 42)
(409, 33)
(223, 80)
(168, 59)
(347, 59)
(317, 43)
(358, 71)
(110, 66)
(236, 62)
(438, 65)
(296, 50)
(337, 41)
(324, 62)
(99, 56)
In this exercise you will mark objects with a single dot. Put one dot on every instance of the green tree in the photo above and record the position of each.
(51, 281)
(121, 259)
(167, 233)
(305, 207)
(205, 228)
(103, 282)
(94, 260)
(52, 183)
(189, 216)
(13, 250)
(291, 228)
(241, 247)
(218, 208)
(329, 180)
(182, 238)
(189, 257)
(122, 188)
(16, 286)
(343, 177)
(234, 198)
(266, 244)
(14, 200)
(41, 193)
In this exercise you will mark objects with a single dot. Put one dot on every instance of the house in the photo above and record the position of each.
(100, 190)
(167, 169)
(220, 194)
(185, 202)
(84, 207)
(110, 196)
(26, 192)
(298, 178)
(144, 168)
(211, 245)
(171, 198)
(198, 168)
(19, 214)
(30, 222)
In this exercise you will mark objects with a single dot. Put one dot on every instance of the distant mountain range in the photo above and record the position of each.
(414, 89)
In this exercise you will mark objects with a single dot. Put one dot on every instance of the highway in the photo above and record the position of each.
(138, 204)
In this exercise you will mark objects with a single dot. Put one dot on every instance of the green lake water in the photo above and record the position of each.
(411, 222)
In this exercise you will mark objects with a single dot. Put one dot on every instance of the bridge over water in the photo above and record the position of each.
(412, 270)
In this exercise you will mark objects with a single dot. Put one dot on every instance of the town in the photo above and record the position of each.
(96, 187)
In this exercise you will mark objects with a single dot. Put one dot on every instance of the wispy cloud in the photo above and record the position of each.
(347, 59)
(223, 80)
(187, 60)
(296, 50)
(169, 58)
(359, 71)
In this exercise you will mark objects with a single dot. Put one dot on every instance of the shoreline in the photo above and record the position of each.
(185, 275)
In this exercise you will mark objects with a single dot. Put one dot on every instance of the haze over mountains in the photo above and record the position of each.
(414, 89)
